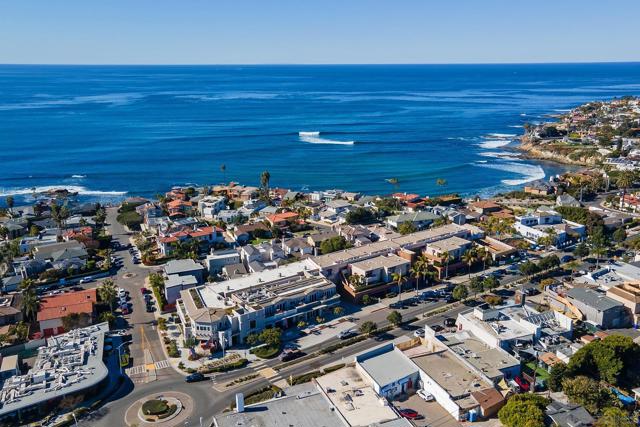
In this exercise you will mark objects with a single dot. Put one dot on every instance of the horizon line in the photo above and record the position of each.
(310, 64)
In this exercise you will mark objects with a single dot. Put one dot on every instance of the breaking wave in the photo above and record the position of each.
(527, 172)
(494, 143)
(314, 138)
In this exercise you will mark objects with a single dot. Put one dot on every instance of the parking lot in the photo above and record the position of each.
(434, 414)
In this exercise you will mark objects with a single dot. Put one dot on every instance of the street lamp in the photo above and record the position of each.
(120, 356)
(74, 418)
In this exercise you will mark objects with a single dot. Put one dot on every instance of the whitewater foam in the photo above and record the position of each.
(516, 126)
(314, 133)
(494, 143)
(78, 176)
(527, 171)
(71, 188)
(317, 140)
(501, 135)
(500, 155)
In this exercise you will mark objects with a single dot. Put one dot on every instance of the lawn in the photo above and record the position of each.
(540, 373)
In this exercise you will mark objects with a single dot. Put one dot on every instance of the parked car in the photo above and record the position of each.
(566, 258)
(143, 290)
(409, 414)
(343, 335)
(428, 397)
(125, 310)
(419, 333)
(194, 378)
(87, 279)
(290, 355)
(449, 322)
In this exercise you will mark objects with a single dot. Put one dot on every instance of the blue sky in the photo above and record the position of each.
(314, 31)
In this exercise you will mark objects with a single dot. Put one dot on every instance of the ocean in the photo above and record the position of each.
(112, 131)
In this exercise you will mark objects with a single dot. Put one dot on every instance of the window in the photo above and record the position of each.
(252, 324)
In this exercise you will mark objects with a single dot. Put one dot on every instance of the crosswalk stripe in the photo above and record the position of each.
(162, 364)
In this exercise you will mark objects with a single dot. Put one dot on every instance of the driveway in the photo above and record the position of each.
(434, 414)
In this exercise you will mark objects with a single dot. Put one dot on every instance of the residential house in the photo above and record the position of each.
(10, 312)
(228, 216)
(298, 246)
(544, 223)
(567, 200)
(185, 267)
(205, 236)
(420, 220)
(210, 206)
(177, 283)
(484, 207)
(282, 220)
(218, 259)
(381, 268)
(540, 188)
(54, 308)
(242, 234)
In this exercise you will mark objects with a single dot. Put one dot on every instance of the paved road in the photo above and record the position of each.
(208, 400)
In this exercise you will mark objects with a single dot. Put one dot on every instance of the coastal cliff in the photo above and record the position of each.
(559, 153)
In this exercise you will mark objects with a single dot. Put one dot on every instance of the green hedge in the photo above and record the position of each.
(266, 351)
(241, 363)
(304, 378)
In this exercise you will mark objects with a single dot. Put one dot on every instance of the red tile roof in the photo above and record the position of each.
(284, 216)
(58, 306)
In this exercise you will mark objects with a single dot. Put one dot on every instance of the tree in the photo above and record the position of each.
(59, 214)
(476, 285)
(395, 318)
(359, 215)
(445, 258)
(108, 292)
(366, 300)
(581, 250)
(10, 202)
(406, 228)
(549, 262)
(265, 177)
(469, 257)
(557, 374)
(614, 417)
(589, 393)
(357, 282)
(368, 327)
(624, 181)
(490, 283)
(75, 321)
(523, 410)
(30, 303)
(271, 336)
(338, 311)
(544, 283)
(493, 300)
(109, 317)
(252, 339)
(620, 235)
(399, 279)
(20, 330)
(460, 292)
(529, 268)
(333, 244)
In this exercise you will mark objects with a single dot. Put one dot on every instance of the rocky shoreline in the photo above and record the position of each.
(562, 155)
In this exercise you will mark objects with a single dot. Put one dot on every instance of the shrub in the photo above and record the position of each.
(304, 378)
(154, 407)
(266, 351)
(241, 363)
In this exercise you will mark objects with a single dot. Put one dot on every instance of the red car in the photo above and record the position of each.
(143, 291)
(409, 414)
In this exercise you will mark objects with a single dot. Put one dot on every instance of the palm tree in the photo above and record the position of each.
(445, 258)
(10, 202)
(624, 181)
(397, 277)
(20, 330)
(469, 257)
(59, 215)
(30, 304)
(108, 292)
(417, 270)
(265, 176)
